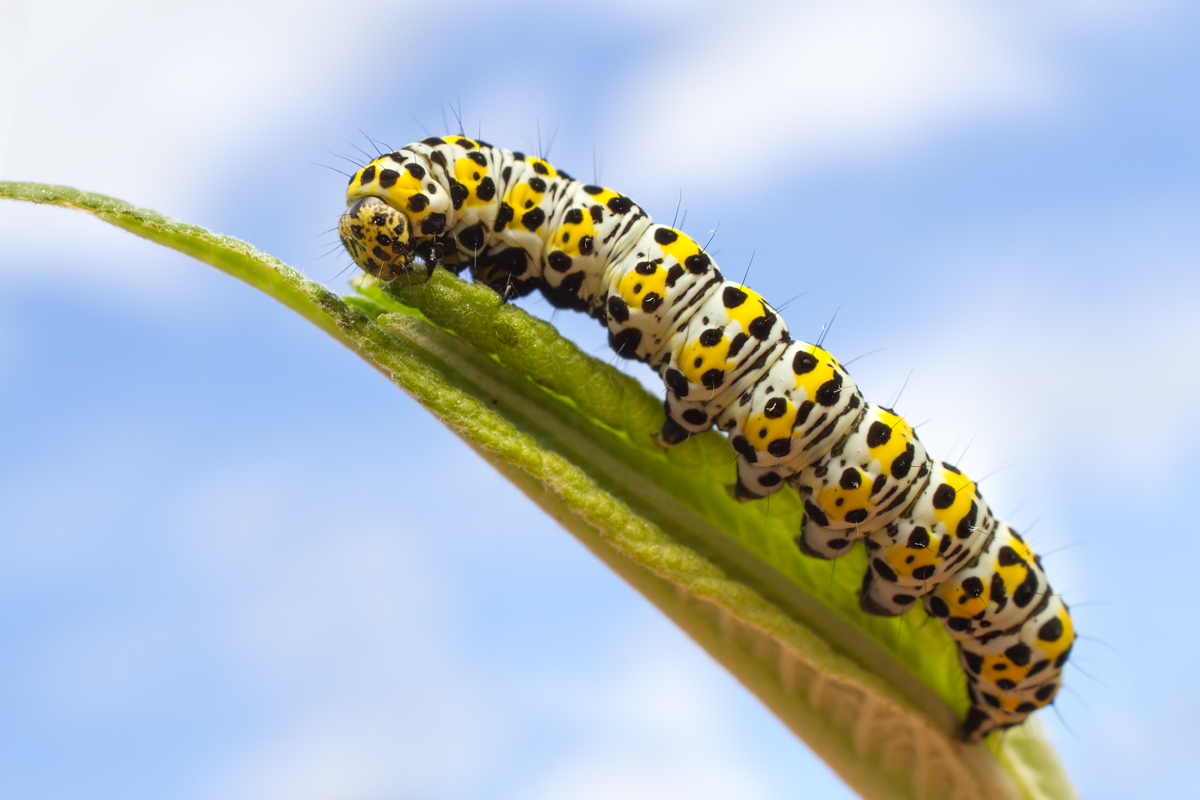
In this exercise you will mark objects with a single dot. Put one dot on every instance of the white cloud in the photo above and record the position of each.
(661, 689)
(146, 100)
(357, 583)
(660, 722)
(48, 249)
(360, 750)
(805, 82)
(1065, 336)
(155, 103)
(135, 99)
(780, 87)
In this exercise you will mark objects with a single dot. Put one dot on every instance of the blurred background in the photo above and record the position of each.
(235, 562)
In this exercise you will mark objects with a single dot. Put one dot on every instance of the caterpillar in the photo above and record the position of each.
(793, 415)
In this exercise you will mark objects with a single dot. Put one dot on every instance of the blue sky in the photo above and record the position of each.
(238, 563)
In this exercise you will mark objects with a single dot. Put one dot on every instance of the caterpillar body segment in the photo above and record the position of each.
(864, 482)
(793, 415)
(802, 405)
(718, 354)
(994, 591)
(650, 297)
(925, 550)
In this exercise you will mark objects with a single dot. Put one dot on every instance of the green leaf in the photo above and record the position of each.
(878, 699)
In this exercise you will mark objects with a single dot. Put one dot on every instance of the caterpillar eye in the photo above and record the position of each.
(377, 237)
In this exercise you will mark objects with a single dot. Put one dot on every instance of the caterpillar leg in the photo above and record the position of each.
(816, 541)
(672, 432)
(505, 270)
(755, 482)
(883, 598)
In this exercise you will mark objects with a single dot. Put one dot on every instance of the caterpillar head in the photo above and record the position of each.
(377, 237)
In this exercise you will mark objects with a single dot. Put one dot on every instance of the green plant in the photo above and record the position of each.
(876, 698)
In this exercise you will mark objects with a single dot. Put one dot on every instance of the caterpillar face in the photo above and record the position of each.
(794, 416)
(377, 237)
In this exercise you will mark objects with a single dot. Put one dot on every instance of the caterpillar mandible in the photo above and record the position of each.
(792, 413)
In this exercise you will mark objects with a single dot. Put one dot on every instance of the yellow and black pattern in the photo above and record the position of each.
(792, 413)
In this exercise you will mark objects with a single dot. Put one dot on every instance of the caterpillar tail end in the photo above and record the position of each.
(377, 237)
